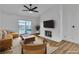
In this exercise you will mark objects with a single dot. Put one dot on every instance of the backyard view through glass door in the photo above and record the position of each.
(24, 27)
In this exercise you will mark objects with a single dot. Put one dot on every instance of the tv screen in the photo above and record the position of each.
(49, 24)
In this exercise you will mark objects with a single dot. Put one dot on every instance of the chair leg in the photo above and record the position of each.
(45, 49)
(21, 50)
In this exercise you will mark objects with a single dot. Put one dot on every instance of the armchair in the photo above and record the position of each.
(34, 49)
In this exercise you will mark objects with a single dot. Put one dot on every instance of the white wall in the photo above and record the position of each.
(0, 21)
(10, 22)
(70, 18)
(65, 17)
(53, 13)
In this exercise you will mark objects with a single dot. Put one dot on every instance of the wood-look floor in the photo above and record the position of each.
(64, 47)
(53, 47)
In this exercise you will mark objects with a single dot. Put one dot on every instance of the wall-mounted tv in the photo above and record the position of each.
(49, 24)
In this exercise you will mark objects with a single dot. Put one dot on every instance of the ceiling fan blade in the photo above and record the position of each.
(26, 6)
(34, 8)
(30, 8)
(25, 10)
(35, 11)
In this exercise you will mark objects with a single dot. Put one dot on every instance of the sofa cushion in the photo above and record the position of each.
(3, 34)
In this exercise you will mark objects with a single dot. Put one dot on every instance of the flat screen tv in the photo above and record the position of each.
(49, 24)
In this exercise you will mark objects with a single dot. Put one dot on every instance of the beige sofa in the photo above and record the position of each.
(6, 43)
(14, 34)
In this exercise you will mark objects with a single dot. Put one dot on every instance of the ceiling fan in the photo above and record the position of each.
(30, 8)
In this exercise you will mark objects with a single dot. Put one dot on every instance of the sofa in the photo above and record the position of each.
(6, 42)
(14, 34)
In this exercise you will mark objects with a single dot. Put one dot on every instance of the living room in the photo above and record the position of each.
(21, 23)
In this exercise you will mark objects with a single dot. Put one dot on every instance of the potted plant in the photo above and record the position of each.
(37, 28)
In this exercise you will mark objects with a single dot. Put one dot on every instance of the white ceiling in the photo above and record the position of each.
(16, 9)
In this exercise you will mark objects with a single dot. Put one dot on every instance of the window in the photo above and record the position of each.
(24, 27)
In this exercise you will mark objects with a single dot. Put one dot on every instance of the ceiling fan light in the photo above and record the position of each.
(30, 12)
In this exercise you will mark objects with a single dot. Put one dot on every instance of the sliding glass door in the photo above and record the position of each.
(24, 27)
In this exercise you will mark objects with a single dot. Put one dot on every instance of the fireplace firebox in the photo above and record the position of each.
(48, 33)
